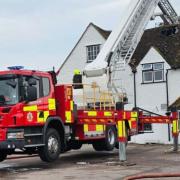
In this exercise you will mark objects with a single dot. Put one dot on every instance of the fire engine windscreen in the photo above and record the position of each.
(8, 90)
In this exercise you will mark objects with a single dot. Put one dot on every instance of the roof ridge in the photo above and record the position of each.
(103, 32)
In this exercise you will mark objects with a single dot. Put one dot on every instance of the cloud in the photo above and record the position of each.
(41, 33)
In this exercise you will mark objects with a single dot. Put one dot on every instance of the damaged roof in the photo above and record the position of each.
(165, 39)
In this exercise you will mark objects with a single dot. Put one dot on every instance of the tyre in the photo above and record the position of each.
(109, 142)
(3, 156)
(76, 145)
(98, 146)
(50, 152)
(111, 137)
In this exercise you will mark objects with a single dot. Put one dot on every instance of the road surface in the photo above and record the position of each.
(88, 164)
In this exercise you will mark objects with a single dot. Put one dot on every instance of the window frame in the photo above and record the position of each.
(43, 86)
(145, 126)
(94, 52)
(154, 70)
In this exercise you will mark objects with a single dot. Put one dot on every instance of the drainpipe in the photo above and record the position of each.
(167, 100)
(135, 95)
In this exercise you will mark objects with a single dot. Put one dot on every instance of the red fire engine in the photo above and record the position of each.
(39, 116)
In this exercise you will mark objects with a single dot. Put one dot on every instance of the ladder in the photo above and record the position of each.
(123, 51)
(168, 11)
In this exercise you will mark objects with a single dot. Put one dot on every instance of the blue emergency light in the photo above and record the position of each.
(16, 67)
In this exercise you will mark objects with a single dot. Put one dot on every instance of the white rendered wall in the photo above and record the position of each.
(150, 97)
(173, 85)
(78, 58)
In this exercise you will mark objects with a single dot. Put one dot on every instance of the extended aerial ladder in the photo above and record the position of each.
(122, 43)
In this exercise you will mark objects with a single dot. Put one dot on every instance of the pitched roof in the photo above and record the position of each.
(165, 39)
(176, 103)
(104, 34)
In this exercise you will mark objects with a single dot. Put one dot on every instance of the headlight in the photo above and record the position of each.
(15, 135)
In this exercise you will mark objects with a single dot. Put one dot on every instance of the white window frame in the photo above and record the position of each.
(94, 52)
(145, 68)
(162, 71)
(144, 76)
(162, 67)
(152, 68)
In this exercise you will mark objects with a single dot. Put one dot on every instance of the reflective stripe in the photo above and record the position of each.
(107, 114)
(71, 105)
(92, 113)
(30, 108)
(134, 114)
(124, 115)
(44, 116)
(121, 129)
(52, 104)
(40, 119)
(175, 126)
(132, 123)
(99, 128)
(85, 127)
(68, 116)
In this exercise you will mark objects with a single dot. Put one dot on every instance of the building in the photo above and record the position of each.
(151, 79)
(85, 51)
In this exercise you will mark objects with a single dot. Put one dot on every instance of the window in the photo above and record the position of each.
(8, 90)
(92, 52)
(42, 85)
(152, 73)
(147, 127)
(46, 86)
(25, 84)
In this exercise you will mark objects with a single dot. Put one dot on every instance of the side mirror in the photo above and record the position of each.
(31, 93)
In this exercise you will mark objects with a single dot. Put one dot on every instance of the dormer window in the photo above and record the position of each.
(153, 72)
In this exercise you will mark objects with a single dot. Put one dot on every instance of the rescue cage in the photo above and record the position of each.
(92, 97)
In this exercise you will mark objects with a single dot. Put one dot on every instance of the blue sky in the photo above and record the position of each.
(39, 34)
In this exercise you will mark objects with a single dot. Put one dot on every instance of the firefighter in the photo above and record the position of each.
(77, 79)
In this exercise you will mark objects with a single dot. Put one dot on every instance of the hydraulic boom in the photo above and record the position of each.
(122, 43)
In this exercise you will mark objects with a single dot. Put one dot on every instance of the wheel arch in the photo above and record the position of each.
(56, 123)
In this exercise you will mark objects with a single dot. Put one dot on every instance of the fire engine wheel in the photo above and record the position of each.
(3, 156)
(76, 145)
(98, 146)
(110, 139)
(50, 152)
(109, 142)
